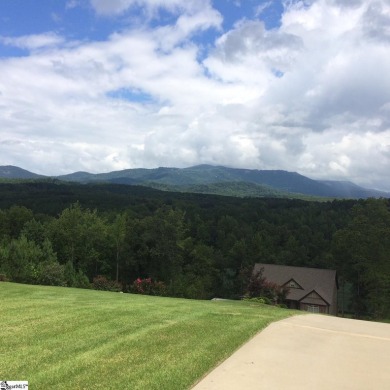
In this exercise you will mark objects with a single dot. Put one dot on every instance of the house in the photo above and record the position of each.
(310, 289)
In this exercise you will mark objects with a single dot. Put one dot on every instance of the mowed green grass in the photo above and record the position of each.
(67, 338)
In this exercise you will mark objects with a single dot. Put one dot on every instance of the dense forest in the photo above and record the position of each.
(196, 246)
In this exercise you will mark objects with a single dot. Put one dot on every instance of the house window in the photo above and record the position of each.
(313, 308)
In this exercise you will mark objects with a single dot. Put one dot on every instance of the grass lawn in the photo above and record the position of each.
(64, 338)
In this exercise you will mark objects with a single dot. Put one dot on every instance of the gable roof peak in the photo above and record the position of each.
(309, 279)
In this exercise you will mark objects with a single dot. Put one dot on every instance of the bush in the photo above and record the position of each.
(81, 280)
(50, 273)
(258, 286)
(75, 278)
(100, 282)
(148, 287)
(3, 278)
(263, 300)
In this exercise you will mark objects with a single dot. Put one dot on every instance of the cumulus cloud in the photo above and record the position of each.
(250, 45)
(376, 22)
(311, 95)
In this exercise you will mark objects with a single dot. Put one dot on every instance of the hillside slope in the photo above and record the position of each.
(215, 180)
(12, 172)
(88, 339)
(277, 182)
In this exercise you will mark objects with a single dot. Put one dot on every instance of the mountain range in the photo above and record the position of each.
(215, 180)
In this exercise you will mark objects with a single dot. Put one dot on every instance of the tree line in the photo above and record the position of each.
(198, 246)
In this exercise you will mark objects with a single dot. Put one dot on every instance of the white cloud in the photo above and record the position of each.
(259, 9)
(312, 95)
(70, 4)
(56, 17)
(250, 47)
(115, 7)
(32, 42)
(363, 158)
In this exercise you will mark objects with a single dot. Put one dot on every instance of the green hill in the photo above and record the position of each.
(235, 188)
(278, 182)
(12, 172)
(216, 180)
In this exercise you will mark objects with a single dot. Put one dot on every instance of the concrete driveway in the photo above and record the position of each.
(309, 352)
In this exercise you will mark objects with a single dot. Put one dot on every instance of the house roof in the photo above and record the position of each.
(310, 279)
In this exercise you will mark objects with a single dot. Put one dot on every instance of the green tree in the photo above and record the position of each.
(13, 220)
(362, 255)
(198, 277)
(20, 259)
(118, 234)
(158, 244)
(81, 236)
(35, 231)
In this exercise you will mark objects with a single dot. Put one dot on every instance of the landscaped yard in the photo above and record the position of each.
(63, 338)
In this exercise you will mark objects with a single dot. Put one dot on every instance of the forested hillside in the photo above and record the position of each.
(218, 180)
(199, 246)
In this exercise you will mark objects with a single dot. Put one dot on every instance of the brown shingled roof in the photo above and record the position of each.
(310, 279)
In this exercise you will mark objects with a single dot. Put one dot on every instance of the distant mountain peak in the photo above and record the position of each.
(13, 172)
(211, 177)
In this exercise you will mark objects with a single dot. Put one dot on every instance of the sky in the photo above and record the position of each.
(104, 85)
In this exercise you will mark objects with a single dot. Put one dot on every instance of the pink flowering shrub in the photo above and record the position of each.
(148, 287)
(259, 286)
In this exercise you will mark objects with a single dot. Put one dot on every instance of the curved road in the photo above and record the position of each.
(309, 352)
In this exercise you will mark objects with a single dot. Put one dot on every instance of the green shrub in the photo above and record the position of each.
(100, 282)
(263, 300)
(81, 280)
(3, 278)
(75, 278)
(50, 273)
(70, 274)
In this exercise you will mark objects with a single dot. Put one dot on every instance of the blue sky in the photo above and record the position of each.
(102, 85)
(79, 20)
